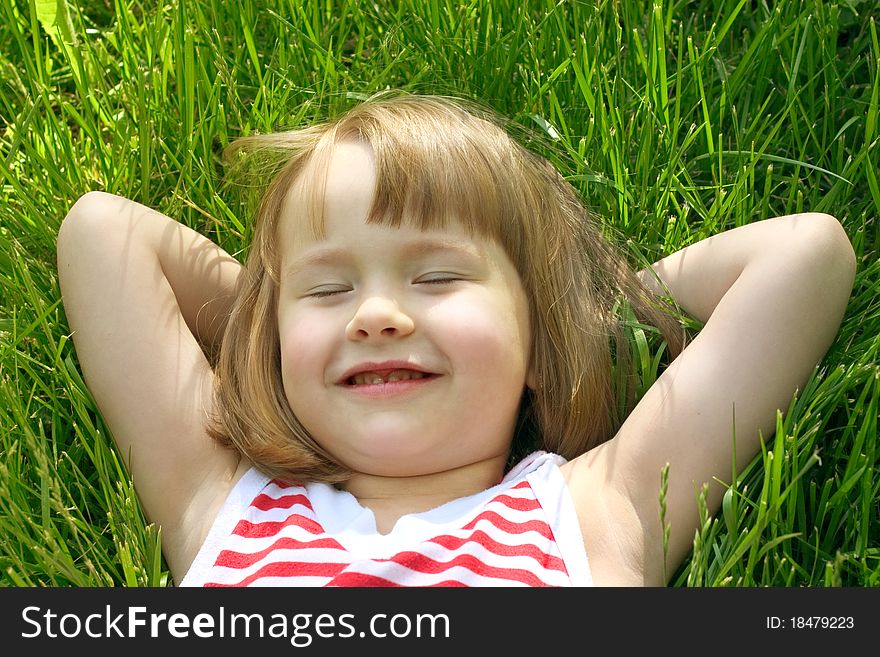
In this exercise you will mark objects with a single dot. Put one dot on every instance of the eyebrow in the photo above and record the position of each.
(328, 256)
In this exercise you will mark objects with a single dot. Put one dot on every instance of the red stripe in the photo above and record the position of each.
(528, 550)
(287, 569)
(347, 578)
(517, 503)
(234, 559)
(264, 502)
(350, 579)
(510, 527)
(425, 565)
(249, 529)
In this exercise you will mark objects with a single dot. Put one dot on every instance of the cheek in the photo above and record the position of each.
(301, 350)
(489, 338)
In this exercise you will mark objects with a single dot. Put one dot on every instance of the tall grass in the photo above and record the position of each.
(676, 121)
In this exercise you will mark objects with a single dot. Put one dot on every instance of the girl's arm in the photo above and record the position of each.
(146, 298)
(772, 296)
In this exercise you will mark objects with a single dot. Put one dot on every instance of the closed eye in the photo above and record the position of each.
(439, 278)
(321, 293)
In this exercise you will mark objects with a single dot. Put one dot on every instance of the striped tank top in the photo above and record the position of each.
(522, 532)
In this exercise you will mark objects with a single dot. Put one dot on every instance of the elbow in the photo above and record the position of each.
(83, 225)
(827, 244)
(89, 205)
(92, 209)
(83, 206)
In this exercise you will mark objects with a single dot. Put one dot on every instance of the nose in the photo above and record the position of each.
(379, 317)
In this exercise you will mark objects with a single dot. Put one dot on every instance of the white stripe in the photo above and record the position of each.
(492, 560)
(404, 576)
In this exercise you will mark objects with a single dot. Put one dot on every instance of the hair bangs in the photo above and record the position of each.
(435, 162)
(426, 187)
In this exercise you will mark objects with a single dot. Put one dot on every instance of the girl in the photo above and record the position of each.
(413, 380)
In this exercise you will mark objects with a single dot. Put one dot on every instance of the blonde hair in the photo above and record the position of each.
(436, 158)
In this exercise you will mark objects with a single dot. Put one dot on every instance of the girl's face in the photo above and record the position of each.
(403, 352)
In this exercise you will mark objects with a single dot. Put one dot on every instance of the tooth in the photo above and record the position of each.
(404, 375)
(373, 378)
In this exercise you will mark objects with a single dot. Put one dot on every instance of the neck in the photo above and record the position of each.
(389, 498)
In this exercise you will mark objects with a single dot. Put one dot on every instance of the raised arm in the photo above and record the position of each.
(146, 299)
(772, 296)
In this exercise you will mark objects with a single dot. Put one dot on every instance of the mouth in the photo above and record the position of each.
(370, 374)
(377, 377)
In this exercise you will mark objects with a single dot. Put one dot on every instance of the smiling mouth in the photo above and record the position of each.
(379, 377)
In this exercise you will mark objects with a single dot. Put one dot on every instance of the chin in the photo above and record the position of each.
(392, 458)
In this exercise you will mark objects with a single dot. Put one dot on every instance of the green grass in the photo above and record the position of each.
(675, 122)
